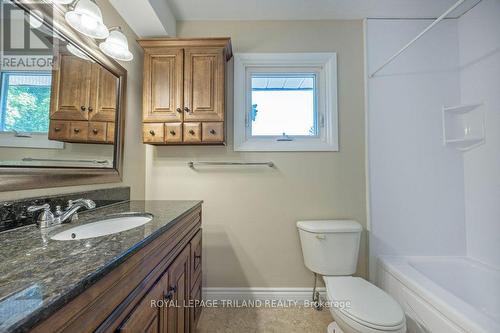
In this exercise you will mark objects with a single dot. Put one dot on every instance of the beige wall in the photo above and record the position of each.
(134, 156)
(250, 238)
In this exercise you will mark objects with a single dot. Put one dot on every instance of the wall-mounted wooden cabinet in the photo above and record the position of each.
(83, 102)
(184, 90)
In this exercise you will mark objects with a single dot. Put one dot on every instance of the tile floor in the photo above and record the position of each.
(263, 320)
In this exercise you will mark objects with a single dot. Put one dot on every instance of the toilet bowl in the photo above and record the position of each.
(330, 248)
(360, 307)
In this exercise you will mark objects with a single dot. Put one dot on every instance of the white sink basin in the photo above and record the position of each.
(106, 226)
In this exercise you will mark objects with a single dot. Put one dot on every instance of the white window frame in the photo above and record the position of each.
(25, 140)
(323, 65)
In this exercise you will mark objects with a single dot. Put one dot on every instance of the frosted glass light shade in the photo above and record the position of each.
(76, 52)
(116, 46)
(86, 18)
(63, 2)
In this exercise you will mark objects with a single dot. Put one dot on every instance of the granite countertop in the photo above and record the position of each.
(38, 275)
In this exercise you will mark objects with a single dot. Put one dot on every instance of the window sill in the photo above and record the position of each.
(37, 141)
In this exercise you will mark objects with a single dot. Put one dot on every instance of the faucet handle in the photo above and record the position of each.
(89, 204)
(45, 218)
(34, 208)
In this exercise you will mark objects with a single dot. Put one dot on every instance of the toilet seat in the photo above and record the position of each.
(370, 306)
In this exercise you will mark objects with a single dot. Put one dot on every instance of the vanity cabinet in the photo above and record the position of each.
(184, 90)
(157, 289)
(83, 101)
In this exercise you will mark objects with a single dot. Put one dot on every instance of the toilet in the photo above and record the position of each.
(331, 248)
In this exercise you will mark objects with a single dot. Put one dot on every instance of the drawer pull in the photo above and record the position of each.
(83, 108)
(152, 132)
(212, 131)
(57, 129)
(95, 130)
(191, 132)
(172, 132)
(76, 130)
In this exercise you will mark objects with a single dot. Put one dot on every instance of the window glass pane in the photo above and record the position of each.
(25, 102)
(283, 103)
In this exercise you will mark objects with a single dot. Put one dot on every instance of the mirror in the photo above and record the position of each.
(57, 105)
(59, 96)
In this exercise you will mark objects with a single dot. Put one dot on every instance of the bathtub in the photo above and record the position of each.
(443, 294)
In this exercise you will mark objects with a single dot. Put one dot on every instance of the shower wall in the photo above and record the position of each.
(479, 43)
(426, 198)
(416, 184)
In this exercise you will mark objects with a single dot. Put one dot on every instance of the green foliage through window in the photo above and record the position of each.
(25, 102)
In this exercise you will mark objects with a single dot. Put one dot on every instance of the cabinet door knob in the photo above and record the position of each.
(76, 130)
(212, 131)
(170, 293)
(152, 132)
(172, 132)
(95, 130)
(186, 109)
(57, 129)
(90, 109)
(179, 110)
(82, 108)
(191, 132)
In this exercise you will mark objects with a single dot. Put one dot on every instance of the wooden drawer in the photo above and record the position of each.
(173, 132)
(79, 131)
(110, 133)
(97, 131)
(192, 132)
(153, 133)
(213, 132)
(196, 308)
(196, 259)
(59, 130)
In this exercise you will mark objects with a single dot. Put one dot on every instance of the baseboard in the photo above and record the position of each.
(299, 295)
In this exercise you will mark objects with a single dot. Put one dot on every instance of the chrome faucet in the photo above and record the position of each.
(48, 219)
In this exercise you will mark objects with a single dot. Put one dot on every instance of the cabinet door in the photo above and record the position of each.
(70, 88)
(176, 288)
(163, 85)
(145, 318)
(204, 84)
(103, 95)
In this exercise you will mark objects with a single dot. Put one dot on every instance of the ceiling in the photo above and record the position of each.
(312, 9)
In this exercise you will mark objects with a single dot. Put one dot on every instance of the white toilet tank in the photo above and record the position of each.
(330, 247)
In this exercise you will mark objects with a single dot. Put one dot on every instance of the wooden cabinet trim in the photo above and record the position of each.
(204, 84)
(75, 91)
(163, 82)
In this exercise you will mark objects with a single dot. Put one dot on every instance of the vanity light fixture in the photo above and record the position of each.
(77, 52)
(86, 18)
(63, 2)
(116, 45)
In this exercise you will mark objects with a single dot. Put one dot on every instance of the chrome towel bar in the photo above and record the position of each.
(192, 164)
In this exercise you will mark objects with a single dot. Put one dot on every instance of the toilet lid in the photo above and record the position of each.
(369, 305)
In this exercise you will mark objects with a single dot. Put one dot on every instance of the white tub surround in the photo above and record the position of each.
(443, 294)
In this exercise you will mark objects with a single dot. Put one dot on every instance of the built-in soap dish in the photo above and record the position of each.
(463, 126)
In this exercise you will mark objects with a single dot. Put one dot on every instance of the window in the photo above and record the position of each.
(25, 110)
(284, 105)
(25, 102)
(285, 102)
